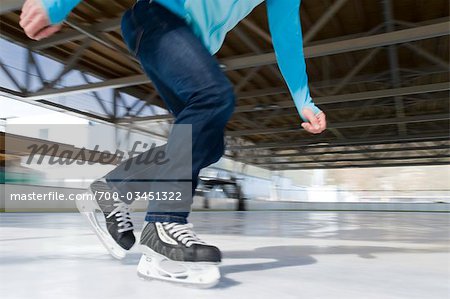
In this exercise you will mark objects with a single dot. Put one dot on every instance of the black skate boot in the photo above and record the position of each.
(118, 236)
(172, 252)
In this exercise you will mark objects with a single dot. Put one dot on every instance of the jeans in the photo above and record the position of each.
(193, 87)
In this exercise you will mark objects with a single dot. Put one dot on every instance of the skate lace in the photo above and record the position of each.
(183, 233)
(122, 214)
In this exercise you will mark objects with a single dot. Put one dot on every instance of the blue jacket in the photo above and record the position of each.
(211, 20)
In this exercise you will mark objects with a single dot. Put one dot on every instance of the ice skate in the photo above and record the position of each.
(117, 236)
(172, 252)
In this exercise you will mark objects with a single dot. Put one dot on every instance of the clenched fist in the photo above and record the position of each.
(35, 22)
(316, 123)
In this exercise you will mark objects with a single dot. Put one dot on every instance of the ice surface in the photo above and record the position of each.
(266, 255)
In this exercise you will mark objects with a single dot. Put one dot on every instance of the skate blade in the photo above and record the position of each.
(88, 209)
(181, 284)
(154, 266)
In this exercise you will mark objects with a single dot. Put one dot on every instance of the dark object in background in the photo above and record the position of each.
(231, 187)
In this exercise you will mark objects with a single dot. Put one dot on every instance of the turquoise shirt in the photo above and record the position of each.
(211, 20)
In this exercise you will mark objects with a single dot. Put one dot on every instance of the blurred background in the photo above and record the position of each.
(379, 69)
(360, 211)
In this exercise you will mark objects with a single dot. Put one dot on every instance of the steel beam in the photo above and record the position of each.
(278, 90)
(153, 118)
(343, 125)
(430, 57)
(71, 90)
(394, 64)
(401, 149)
(72, 111)
(261, 33)
(366, 159)
(73, 60)
(371, 165)
(359, 96)
(326, 142)
(11, 76)
(349, 45)
(361, 64)
(64, 37)
(142, 79)
(399, 36)
(255, 48)
(96, 36)
(323, 20)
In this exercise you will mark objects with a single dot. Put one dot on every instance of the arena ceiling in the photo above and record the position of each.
(378, 68)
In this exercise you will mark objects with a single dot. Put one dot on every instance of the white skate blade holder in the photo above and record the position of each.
(156, 266)
(88, 207)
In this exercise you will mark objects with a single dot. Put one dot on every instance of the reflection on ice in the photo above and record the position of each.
(266, 254)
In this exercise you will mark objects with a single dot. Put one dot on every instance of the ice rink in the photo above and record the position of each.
(266, 255)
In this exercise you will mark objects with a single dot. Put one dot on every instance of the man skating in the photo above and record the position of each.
(174, 41)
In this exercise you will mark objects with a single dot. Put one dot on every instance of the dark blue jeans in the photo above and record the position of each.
(192, 86)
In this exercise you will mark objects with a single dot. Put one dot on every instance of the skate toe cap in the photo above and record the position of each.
(126, 240)
(207, 253)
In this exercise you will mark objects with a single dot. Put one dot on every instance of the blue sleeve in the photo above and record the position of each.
(58, 10)
(286, 31)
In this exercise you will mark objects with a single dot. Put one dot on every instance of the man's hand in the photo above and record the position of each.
(316, 123)
(35, 22)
